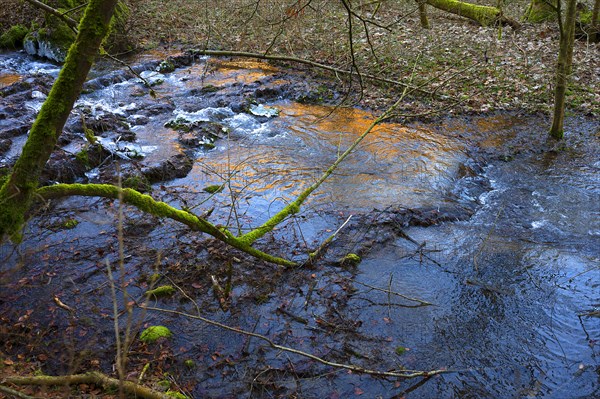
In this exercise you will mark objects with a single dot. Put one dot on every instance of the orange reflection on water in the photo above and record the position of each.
(7, 79)
(387, 141)
(496, 130)
(226, 73)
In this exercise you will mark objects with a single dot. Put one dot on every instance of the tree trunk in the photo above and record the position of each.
(16, 195)
(423, 14)
(483, 15)
(563, 69)
(541, 10)
(595, 25)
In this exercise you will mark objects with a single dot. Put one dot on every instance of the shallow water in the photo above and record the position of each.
(510, 286)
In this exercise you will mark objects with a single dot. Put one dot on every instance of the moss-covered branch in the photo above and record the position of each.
(483, 15)
(148, 204)
(93, 377)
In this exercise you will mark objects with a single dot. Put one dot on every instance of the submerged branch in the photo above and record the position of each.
(294, 207)
(388, 291)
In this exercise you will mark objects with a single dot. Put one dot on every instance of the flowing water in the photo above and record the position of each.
(515, 288)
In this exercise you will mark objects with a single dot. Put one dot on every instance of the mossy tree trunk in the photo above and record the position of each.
(483, 15)
(541, 10)
(595, 25)
(17, 193)
(563, 67)
(423, 14)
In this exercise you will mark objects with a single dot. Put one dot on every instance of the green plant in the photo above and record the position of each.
(154, 333)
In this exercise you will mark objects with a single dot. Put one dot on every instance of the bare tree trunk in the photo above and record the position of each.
(563, 68)
(16, 195)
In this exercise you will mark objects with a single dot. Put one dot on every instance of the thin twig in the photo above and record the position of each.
(313, 256)
(390, 292)
(351, 367)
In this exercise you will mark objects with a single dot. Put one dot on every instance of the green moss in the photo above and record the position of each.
(176, 395)
(540, 10)
(350, 259)
(13, 37)
(69, 224)
(189, 363)
(162, 291)
(139, 183)
(166, 384)
(213, 189)
(154, 333)
(83, 158)
(90, 136)
(179, 124)
(400, 350)
(210, 89)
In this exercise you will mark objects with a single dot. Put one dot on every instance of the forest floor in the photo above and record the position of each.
(460, 66)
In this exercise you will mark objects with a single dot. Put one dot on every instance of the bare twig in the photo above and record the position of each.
(313, 256)
(390, 292)
(68, 20)
(222, 53)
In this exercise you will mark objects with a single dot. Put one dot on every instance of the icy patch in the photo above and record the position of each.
(243, 123)
(103, 107)
(38, 94)
(205, 115)
(126, 151)
(92, 174)
(152, 77)
(261, 110)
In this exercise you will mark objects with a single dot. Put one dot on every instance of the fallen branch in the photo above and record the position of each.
(221, 53)
(351, 367)
(16, 394)
(68, 20)
(92, 377)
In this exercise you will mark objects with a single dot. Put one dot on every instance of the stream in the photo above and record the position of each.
(493, 227)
